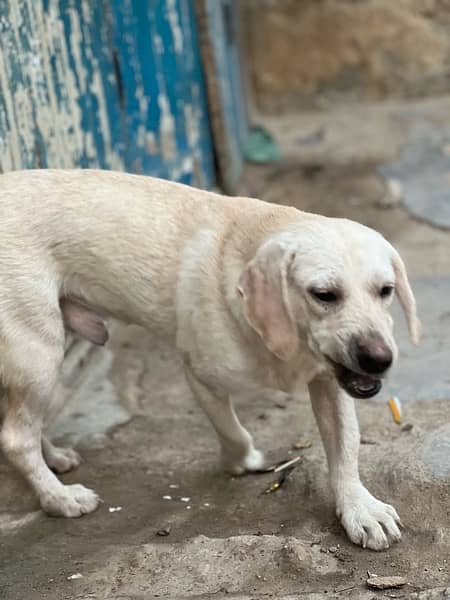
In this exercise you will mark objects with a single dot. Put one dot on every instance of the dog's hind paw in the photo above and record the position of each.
(61, 460)
(70, 501)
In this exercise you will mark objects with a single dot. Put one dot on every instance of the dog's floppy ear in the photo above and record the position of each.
(263, 288)
(406, 297)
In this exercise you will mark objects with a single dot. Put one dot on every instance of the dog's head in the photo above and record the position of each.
(329, 283)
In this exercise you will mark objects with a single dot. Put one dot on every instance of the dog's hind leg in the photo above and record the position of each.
(59, 459)
(86, 323)
(32, 352)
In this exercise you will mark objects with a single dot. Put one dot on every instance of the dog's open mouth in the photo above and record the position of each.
(356, 384)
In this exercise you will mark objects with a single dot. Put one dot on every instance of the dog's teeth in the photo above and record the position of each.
(365, 387)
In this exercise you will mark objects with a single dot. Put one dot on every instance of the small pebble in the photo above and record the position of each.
(163, 532)
(394, 193)
(167, 497)
(174, 486)
(184, 499)
(385, 583)
(75, 576)
(302, 445)
(333, 549)
(368, 441)
(113, 509)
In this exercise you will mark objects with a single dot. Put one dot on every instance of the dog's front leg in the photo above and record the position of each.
(367, 521)
(238, 452)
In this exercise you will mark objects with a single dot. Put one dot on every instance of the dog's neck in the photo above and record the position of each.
(234, 254)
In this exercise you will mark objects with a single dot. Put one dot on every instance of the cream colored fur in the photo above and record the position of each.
(226, 280)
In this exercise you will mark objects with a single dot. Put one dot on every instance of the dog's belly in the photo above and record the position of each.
(132, 296)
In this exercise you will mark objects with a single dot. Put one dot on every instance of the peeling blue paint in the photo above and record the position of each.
(222, 30)
(109, 83)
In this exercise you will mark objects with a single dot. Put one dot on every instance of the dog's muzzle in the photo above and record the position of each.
(371, 358)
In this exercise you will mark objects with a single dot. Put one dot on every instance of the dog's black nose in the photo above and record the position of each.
(373, 356)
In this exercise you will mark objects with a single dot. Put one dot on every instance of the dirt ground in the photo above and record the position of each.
(172, 525)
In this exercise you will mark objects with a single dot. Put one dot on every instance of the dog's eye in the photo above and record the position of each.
(324, 296)
(386, 291)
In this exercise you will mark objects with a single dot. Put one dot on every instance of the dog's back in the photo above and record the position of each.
(113, 239)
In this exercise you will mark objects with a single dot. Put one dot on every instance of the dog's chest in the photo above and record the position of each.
(287, 377)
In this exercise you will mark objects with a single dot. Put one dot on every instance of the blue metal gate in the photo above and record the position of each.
(115, 84)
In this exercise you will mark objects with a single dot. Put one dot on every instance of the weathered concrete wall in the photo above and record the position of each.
(305, 52)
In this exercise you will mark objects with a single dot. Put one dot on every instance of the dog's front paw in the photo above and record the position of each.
(368, 522)
(70, 501)
(252, 461)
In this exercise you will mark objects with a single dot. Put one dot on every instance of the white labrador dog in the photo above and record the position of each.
(252, 294)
